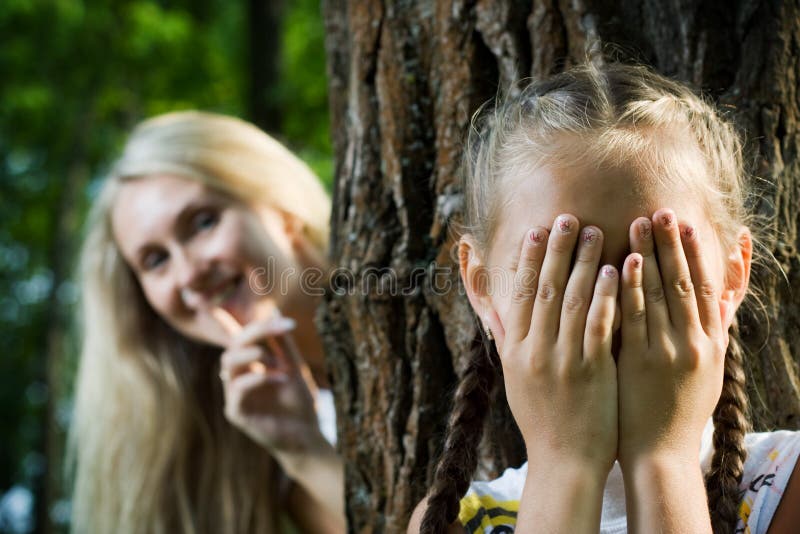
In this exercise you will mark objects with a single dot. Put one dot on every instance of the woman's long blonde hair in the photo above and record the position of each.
(150, 449)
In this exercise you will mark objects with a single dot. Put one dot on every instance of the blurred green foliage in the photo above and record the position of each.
(75, 77)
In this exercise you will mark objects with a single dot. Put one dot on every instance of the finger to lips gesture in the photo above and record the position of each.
(556, 347)
(269, 391)
(672, 353)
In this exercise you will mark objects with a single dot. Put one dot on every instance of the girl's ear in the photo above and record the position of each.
(474, 275)
(737, 269)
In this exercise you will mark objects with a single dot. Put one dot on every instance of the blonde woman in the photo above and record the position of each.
(200, 367)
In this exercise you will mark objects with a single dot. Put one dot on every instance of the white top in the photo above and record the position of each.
(491, 507)
(326, 415)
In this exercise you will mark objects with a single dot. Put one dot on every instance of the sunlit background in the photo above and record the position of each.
(75, 76)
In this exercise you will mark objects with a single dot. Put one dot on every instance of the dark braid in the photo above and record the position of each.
(731, 423)
(459, 457)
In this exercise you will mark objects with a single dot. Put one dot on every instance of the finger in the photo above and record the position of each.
(641, 236)
(633, 311)
(526, 279)
(705, 289)
(582, 281)
(600, 319)
(553, 279)
(260, 331)
(227, 321)
(675, 276)
(298, 362)
(239, 388)
(248, 359)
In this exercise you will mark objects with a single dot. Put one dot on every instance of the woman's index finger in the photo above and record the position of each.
(261, 331)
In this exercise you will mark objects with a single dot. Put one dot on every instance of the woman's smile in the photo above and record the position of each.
(194, 249)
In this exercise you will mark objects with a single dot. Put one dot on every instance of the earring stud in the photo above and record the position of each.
(488, 332)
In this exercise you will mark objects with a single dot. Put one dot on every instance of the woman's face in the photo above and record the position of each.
(194, 249)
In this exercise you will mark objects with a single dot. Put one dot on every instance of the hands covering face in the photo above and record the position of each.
(572, 401)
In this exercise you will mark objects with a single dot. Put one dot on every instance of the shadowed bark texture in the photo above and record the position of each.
(404, 79)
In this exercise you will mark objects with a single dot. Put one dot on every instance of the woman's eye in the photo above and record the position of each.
(153, 259)
(204, 220)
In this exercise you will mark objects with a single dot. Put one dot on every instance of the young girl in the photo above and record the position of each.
(606, 252)
(195, 403)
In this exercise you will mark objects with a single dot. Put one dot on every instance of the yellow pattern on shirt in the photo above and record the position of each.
(472, 504)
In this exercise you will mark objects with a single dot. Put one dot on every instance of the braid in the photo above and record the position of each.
(730, 425)
(464, 431)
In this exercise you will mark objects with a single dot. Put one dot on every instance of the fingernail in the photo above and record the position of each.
(608, 271)
(535, 236)
(645, 229)
(564, 224)
(666, 219)
(285, 323)
(589, 236)
(636, 262)
(688, 232)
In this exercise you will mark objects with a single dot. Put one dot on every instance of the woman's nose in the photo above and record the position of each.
(191, 271)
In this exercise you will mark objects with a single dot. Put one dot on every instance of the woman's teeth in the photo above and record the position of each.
(225, 294)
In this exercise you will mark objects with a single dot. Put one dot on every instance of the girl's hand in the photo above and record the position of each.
(671, 359)
(555, 349)
(269, 392)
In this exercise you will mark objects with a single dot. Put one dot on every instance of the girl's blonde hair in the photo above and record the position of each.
(609, 116)
(150, 448)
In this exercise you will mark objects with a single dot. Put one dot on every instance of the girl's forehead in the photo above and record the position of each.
(609, 200)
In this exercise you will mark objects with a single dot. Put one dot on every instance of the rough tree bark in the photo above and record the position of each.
(404, 78)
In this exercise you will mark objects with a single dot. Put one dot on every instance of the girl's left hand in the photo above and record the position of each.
(671, 359)
(269, 391)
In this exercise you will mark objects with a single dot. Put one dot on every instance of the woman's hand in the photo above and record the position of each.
(560, 377)
(269, 395)
(671, 359)
(670, 371)
(269, 392)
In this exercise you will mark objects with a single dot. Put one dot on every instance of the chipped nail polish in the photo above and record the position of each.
(564, 224)
(666, 219)
(688, 232)
(589, 236)
(608, 271)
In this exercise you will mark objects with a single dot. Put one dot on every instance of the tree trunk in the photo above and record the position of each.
(404, 79)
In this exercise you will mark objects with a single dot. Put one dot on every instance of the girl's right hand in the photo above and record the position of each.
(555, 348)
